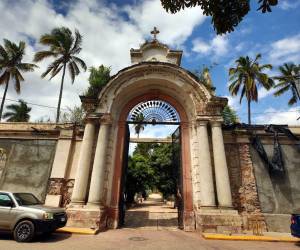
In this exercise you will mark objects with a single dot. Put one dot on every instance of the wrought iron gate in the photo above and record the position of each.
(122, 198)
(177, 173)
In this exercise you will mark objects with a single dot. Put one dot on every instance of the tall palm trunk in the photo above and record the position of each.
(4, 96)
(60, 93)
(249, 111)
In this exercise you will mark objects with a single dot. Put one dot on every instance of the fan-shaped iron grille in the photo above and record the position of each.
(154, 111)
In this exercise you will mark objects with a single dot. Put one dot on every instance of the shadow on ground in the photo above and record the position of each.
(41, 238)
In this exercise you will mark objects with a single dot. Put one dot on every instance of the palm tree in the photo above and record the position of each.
(64, 47)
(11, 66)
(17, 112)
(247, 76)
(288, 80)
(139, 126)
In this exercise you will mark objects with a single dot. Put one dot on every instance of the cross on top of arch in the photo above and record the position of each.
(154, 32)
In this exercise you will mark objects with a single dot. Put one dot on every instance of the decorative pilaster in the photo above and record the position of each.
(96, 187)
(221, 170)
(205, 167)
(83, 169)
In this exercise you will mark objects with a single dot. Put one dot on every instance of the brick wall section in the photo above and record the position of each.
(233, 162)
(248, 190)
(60, 186)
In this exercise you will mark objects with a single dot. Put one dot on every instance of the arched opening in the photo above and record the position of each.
(158, 108)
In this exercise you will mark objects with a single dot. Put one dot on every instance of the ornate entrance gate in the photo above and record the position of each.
(154, 80)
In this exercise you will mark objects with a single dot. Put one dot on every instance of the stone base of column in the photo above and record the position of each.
(112, 218)
(189, 224)
(87, 217)
(218, 221)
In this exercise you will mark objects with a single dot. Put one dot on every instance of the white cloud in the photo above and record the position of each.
(275, 116)
(285, 50)
(289, 4)
(174, 29)
(217, 47)
(108, 34)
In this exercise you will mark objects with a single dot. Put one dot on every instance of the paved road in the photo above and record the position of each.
(137, 239)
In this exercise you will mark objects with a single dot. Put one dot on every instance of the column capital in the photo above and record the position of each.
(202, 122)
(216, 123)
(105, 119)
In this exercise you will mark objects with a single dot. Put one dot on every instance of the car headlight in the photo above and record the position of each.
(48, 216)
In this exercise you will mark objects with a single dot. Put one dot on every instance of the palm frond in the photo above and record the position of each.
(26, 67)
(80, 62)
(41, 55)
(72, 72)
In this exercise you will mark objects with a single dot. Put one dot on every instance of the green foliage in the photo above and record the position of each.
(140, 176)
(161, 162)
(204, 77)
(11, 66)
(226, 14)
(98, 78)
(17, 112)
(73, 115)
(288, 81)
(150, 167)
(229, 115)
(139, 126)
(63, 47)
(246, 76)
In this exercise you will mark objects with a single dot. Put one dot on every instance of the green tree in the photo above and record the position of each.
(165, 172)
(247, 75)
(204, 77)
(226, 14)
(229, 115)
(288, 80)
(139, 126)
(63, 47)
(12, 67)
(98, 78)
(73, 115)
(17, 112)
(140, 176)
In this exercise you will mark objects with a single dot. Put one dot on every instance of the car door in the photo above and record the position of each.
(6, 211)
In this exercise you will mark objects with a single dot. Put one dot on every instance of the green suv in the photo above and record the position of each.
(24, 215)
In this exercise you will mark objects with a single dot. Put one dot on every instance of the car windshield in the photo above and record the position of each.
(26, 199)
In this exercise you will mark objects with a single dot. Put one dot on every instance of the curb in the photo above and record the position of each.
(77, 230)
(209, 236)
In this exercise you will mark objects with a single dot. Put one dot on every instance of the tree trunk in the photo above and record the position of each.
(60, 93)
(249, 112)
(3, 99)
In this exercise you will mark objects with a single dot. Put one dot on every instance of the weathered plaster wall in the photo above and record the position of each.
(28, 165)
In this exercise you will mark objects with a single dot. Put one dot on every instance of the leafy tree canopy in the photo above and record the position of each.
(229, 115)
(98, 78)
(73, 115)
(226, 14)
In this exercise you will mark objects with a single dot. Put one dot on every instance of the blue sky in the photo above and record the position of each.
(111, 28)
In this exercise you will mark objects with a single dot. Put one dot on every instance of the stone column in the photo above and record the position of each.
(205, 167)
(96, 187)
(83, 168)
(221, 170)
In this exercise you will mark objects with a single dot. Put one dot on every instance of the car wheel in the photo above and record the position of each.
(24, 231)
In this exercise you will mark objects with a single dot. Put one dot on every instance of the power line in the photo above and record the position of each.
(34, 104)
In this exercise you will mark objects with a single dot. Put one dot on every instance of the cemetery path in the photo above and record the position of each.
(152, 214)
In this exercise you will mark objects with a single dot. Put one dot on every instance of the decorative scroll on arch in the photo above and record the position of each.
(154, 111)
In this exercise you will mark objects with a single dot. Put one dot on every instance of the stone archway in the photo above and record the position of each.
(188, 214)
(207, 192)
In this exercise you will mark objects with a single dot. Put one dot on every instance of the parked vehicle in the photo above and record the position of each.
(295, 225)
(24, 215)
